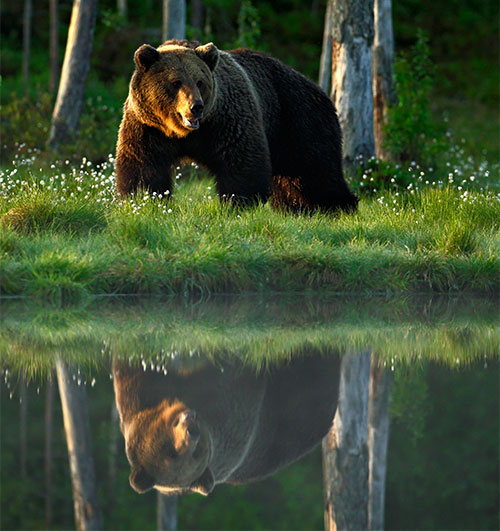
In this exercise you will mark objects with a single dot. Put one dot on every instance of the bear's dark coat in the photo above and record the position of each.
(236, 426)
(259, 126)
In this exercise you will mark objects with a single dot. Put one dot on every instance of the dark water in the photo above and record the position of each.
(224, 404)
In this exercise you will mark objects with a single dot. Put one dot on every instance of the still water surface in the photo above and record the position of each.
(223, 407)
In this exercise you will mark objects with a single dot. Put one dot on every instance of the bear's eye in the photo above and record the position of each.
(177, 84)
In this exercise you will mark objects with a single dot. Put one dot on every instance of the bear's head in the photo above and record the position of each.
(169, 449)
(173, 87)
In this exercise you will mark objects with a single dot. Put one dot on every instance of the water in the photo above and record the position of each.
(243, 390)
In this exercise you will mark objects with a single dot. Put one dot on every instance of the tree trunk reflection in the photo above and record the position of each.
(81, 461)
(355, 449)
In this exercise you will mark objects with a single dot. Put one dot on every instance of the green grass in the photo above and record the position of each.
(64, 234)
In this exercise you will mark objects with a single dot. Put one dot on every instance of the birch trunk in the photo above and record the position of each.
(174, 19)
(23, 428)
(384, 89)
(351, 92)
(49, 431)
(75, 68)
(378, 438)
(54, 45)
(121, 5)
(166, 512)
(77, 429)
(27, 16)
(114, 434)
(345, 452)
(325, 62)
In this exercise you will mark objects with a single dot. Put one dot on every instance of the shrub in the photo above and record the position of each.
(411, 132)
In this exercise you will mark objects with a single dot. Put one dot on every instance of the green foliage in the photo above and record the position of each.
(410, 402)
(442, 471)
(26, 119)
(464, 45)
(411, 133)
(25, 122)
(248, 26)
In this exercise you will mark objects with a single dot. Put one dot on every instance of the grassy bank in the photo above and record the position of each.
(65, 234)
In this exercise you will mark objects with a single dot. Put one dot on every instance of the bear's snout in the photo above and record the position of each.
(197, 108)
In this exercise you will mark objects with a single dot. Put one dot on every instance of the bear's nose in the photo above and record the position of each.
(197, 108)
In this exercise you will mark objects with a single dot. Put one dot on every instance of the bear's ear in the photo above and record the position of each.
(204, 484)
(208, 53)
(145, 56)
(140, 480)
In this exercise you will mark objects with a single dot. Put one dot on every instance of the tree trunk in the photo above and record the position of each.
(166, 512)
(27, 16)
(351, 92)
(114, 431)
(49, 431)
(378, 437)
(75, 68)
(23, 428)
(345, 452)
(77, 429)
(384, 89)
(54, 46)
(174, 19)
(121, 5)
(325, 63)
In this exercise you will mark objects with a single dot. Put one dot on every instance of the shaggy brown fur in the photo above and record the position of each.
(191, 429)
(260, 127)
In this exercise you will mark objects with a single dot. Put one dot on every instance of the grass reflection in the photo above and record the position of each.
(257, 330)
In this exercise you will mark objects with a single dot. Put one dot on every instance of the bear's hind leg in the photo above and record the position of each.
(299, 195)
(328, 195)
(287, 194)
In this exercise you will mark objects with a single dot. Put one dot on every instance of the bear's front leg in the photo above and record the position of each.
(144, 159)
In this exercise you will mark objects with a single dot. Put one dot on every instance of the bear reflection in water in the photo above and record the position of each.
(193, 428)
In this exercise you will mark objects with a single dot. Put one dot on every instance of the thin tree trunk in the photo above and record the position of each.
(27, 16)
(351, 92)
(174, 19)
(166, 512)
(23, 427)
(378, 438)
(54, 45)
(75, 68)
(122, 8)
(325, 63)
(77, 429)
(345, 452)
(114, 431)
(49, 431)
(384, 90)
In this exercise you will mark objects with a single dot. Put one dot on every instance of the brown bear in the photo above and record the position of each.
(259, 126)
(195, 427)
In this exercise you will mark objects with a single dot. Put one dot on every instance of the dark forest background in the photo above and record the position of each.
(462, 37)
